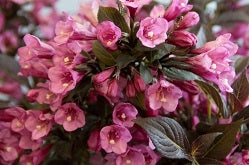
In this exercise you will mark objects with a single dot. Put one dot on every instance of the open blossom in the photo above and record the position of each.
(163, 95)
(152, 31)
(38, 123)
(62, 79)
(108, 34)
(114, 138)
(70, 116)
(132, 157)
(124, 113)
(150, 156)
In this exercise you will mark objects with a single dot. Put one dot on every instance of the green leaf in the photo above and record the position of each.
(102, 54)
(242, 114)
(203, 142)
(208, 161)
(241, 87)
(233, 103)
(241, 63)
(112, 14)
(123, 60)
(225, 142)
(145, 73)
(180, 74)
(167, 135)
(210, 91)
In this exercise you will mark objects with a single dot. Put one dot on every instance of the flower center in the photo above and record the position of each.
(128, 161)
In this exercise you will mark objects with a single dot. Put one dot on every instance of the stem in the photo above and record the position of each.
(209, 110)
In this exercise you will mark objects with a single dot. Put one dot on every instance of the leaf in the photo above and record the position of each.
(241, 87)
(112, 14)
(208, 161)
(203, 142)
(10, 67)
(242, 114)
(201, 37)
(145, 73)
(180, 74)
(241, 63)
(123, 60)
(233, 103)
(212, 92)
(167, 135)
(102, 54)
(224, 144)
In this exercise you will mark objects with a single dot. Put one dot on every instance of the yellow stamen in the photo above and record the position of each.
(150, 34)
(109, 43)
(128, 161)
(38, 127)
(163, 99)
(112, 141)
(8, 149)
(18, 124)
(69, 118)
(66, 60)
(123, 116)
(65, 85)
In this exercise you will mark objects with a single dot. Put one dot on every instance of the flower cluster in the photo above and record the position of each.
(117, 83)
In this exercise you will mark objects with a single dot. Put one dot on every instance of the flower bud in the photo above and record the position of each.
(112, 88)
(93, 141)
(139, 83)
(130, 89)
(189, 20)
(182, 38)
(102, 76)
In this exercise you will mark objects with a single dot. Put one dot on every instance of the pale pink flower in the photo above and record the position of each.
(157, 11)
(135, 3)
(8, 41)
(70, 116)
(114, 138)
(123, 114)
(163, 95)
(152, 31)
(132, 156)
(26, 141)
(108, 34)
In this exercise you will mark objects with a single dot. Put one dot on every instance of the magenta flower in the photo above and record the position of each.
(176, 8)
(70, 116)
(151, 158)
(123, 114)
(163, 95)
(139, 82)
(130, 90)
(2, 21)
(152, 31)
(93, 141)
(182, 38)
(38, 123)
(132, 157)
(108, 34)
(114, 138)
(62, 79)
(8, 41)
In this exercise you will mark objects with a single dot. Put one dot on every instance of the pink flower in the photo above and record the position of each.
(108, 34)
(163, 95)
(130, 90)
(8, 41)
(62, 79)
(176, 8)
(19, 118)
(26, 141)
(151, 158)
(70, 116)
(139, 83)
(2, 21)
(123, 114)
(38, 123)
(189, 20)
(157, 11)
(152, 31)
(43, 95)
(132, 157)
(8, 145)
(114, 138)
(135, 3)
(182, 38)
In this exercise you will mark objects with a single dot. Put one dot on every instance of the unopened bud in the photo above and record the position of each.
(182, 38)
(189, 20)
